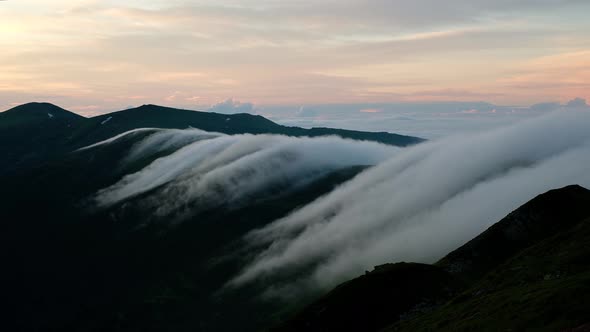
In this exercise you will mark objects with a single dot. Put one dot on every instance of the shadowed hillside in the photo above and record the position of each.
(31, 133)
(73, 266)
(531, 270)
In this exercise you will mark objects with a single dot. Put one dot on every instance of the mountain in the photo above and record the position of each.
(32, 132)
(74, 266)
(35, 114)
(45, 131)
(111, 226)
(153, 116)
(530, 271)
(123, 267)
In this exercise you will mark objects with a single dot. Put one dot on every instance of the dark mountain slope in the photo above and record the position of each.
(33, 132)
(549, 213)
(370, 302)
(121, 269)
(546, 287)
(530, 270)
(74, 268)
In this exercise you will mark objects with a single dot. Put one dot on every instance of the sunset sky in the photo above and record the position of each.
(93, 56)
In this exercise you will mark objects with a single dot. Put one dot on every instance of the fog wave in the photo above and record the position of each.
(415, 204)
(226, 169)
(420, 204)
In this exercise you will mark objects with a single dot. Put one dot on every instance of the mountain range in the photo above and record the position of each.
(78, 267)
(139, 220)
(44, 131)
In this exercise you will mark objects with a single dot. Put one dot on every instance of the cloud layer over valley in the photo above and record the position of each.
(213, 169)
(422, 203)
(415, 204)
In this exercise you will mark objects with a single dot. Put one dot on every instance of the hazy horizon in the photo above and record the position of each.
(430, 120)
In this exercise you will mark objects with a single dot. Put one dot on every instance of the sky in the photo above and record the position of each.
(98, 56)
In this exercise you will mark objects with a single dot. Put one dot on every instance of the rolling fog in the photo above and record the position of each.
(223, 169)
(415, 204)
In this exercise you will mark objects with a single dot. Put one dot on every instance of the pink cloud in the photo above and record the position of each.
(371, 110)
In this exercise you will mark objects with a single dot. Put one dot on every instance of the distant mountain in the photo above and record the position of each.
(32, 133)
(530, 271)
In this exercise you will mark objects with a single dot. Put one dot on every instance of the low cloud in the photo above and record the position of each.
(231, 106)
(415, 204)
(224, 169)
(370, 110)
(427, 120)
(577, 102)
(421, 203)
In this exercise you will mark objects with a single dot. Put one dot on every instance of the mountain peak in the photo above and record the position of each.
(24, 122)
(149, 106)
(35, 107)
(37, 111)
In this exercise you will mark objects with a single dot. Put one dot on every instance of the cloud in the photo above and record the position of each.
(415, 204)
(428, 120)
(167, 140)
(421, 203)
(370, 110)
(545, 107)
(129, 133)
(306, 112)
(578, 102)
(214, 170)
(268, 51)
(230, 106)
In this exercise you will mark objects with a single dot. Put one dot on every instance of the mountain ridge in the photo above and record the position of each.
(44, 136)
(319, 131)
(39, 107)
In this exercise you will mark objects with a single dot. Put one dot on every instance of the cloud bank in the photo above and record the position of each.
(422, 203)
(231, 106)
(432, 120)
(416, 204)
(224, 169)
